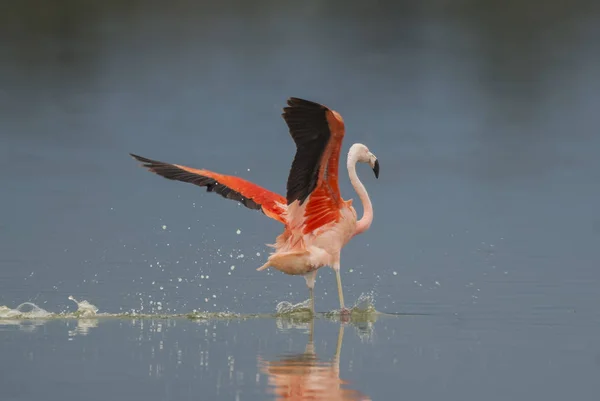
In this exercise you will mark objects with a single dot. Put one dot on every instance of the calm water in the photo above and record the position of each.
(484, 248)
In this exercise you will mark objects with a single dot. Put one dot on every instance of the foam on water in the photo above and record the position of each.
(363, 310)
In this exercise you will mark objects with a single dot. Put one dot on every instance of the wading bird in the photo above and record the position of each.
(318, 222)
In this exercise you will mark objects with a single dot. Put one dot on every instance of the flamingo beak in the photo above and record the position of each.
(376, 168)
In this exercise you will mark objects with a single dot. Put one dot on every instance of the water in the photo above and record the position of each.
(482, 260)
(426, 356)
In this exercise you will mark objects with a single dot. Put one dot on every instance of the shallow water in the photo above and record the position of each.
(428, 357)
(482, 260)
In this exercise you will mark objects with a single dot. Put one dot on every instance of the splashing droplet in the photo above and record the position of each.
(84, 308)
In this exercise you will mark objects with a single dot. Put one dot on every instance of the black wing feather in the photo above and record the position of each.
(173, 172)
(307, 122)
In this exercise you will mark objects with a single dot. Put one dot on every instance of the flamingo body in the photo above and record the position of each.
(318, 223)
(297, 252)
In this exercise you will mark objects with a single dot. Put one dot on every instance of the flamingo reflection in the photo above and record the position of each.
(304, 377)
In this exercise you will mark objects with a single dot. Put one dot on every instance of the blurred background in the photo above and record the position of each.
(484, 116)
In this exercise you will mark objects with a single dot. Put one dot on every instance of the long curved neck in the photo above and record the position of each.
(365, 222)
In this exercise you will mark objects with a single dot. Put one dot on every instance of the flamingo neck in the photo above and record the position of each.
(365, 222)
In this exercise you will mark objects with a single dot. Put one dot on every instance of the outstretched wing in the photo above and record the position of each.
(250, 195)
(318, 133)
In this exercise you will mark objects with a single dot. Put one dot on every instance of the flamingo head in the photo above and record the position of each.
(361, 154)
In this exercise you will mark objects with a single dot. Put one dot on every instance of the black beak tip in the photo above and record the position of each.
(376, 168)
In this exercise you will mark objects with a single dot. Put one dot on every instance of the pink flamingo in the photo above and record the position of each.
(318, 222)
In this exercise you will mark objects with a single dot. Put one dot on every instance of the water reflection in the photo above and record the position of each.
(303, 376)
(83, 327)
(28, 325)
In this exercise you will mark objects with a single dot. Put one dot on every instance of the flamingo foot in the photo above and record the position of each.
(345, 315)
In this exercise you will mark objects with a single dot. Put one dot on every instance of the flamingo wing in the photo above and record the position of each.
(250, 195)
(318, 133)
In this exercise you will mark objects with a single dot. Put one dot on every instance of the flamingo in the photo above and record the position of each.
(304, 376)
(318, 223)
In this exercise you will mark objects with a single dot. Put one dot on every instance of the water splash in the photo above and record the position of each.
(288, 308)
(365, 304)
(84, 308)
(294, 314)
(362, 315)
(26, 310)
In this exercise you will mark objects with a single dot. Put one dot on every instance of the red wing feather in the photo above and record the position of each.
(250, 195)
(325, 201)
(318, 133)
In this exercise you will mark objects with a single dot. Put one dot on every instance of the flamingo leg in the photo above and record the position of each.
(336, 267)
(310, 283)
(340, 290)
